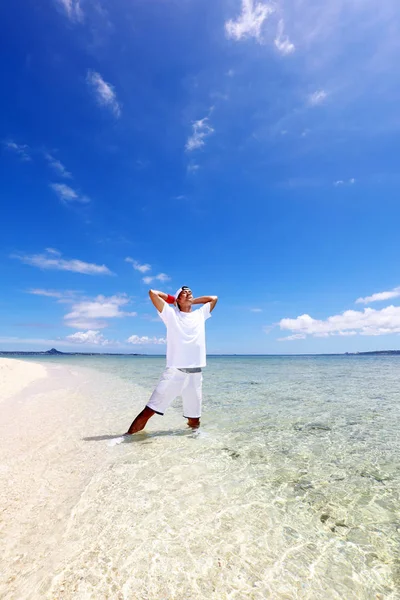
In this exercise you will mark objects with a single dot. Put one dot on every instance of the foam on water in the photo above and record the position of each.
(290, 489)
(117, 440)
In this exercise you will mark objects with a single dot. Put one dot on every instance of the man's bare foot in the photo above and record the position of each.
(194, 423)
(140, 422)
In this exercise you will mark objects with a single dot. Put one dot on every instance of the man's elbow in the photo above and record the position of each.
(214, 300)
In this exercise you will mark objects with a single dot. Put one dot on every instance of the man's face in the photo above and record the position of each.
(185, 297)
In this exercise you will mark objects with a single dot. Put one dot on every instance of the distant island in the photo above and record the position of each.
(54, 352)
(373, 352)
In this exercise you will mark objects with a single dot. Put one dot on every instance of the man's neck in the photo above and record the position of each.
(185, 309)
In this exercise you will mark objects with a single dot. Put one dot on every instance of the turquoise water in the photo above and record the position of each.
(291, 489)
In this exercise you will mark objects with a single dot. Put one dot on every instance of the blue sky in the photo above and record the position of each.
(246, 149)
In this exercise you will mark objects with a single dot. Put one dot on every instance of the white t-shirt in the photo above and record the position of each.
(186, 336)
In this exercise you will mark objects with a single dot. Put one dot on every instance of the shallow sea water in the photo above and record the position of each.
(290, 489)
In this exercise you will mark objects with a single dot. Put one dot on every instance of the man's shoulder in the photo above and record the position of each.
(171, 310)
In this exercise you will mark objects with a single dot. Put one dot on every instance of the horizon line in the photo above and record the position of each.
(208, 355)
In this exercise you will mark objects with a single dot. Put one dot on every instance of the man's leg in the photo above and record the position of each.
(140, 422)
(192, 399)
(168, 387)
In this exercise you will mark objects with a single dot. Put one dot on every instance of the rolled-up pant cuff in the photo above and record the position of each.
(156, 411)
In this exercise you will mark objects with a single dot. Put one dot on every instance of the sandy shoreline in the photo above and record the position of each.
(54, 426)
(15, 375)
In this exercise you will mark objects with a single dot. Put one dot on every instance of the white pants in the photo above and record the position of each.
(173, 383)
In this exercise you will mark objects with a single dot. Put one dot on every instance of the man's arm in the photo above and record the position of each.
(158, 299)
(203, 299)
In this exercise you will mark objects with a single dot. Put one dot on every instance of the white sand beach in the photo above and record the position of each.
(15, 375)
(45, 467)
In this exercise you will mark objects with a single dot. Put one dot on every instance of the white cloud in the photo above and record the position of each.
(317, 97)
(87, 314)
(201, 130)
(50, 261)
(344, 333)
(324, 34)
(91, 337)
(67, 194)
(379, 296)
(86, 324)
(137, 266)
(21, 149)
(256, 310)
(57, 166)
(366, 322)
(192, 168)
(72, 9)
(137, 340)
(104, 92)
(53, 251)
(48, 293)
(63, 296)
(250, 21)
(290, 338)
(343, 182)
(163, 277)
(159, 277)
(282, 42)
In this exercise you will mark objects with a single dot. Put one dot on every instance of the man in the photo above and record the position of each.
(186, 355)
